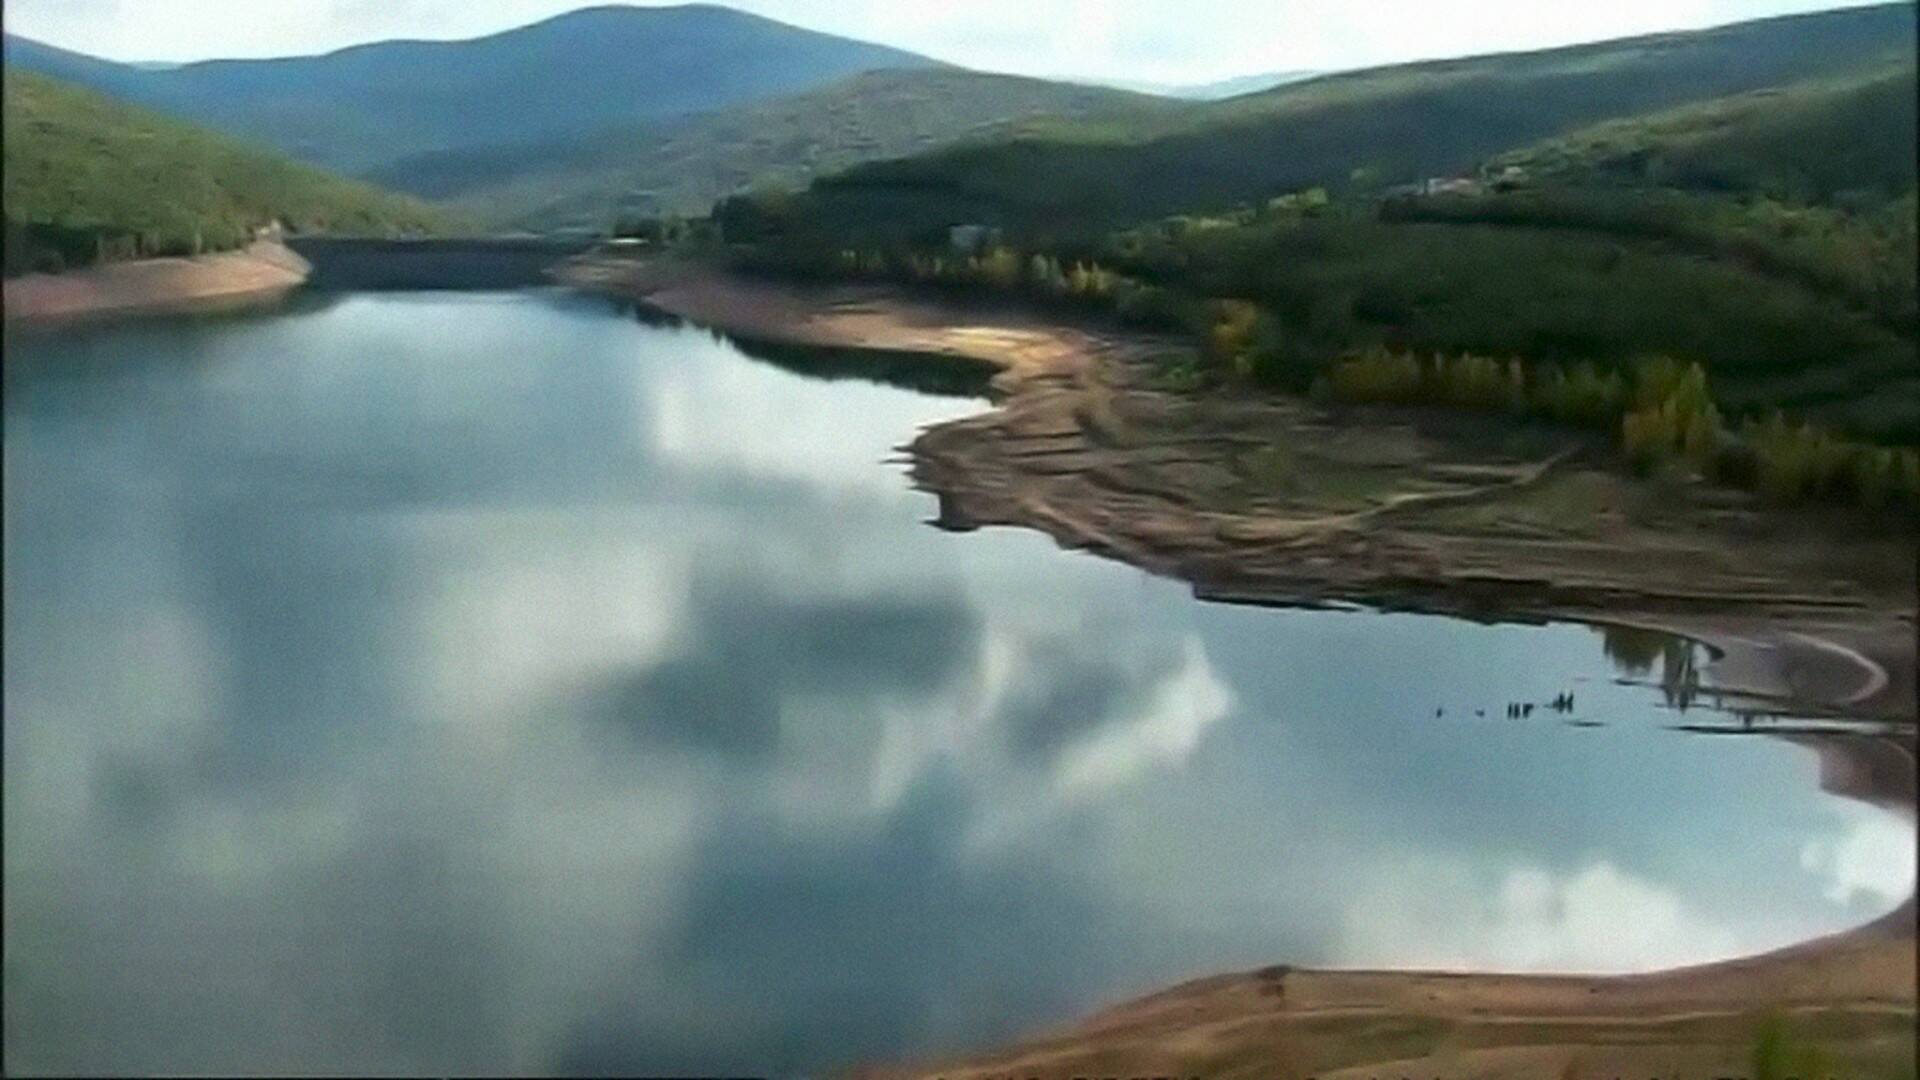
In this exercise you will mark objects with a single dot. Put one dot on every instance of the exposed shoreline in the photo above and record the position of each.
(263, 271)
(1079, 448)
(1053, 454)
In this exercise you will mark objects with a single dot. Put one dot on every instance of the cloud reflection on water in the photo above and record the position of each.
(462, 684)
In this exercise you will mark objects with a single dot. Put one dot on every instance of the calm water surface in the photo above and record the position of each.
(490, 682)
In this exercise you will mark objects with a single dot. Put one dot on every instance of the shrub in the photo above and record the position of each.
(1280, 359)
(1794, 461)
(1657, 378)
(1907, 478)
(1474, 382)
(1148, 306)
(1091, 282)
(1000, 269)
(1580, 395)
(1043, 274)
(1230, 335)
(1377, 375)
(1699, 433)
(1673, 414)
(1874, 473)
(1647, 436)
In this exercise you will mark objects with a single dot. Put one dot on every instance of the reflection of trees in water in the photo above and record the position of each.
(648, 315)
(928, 373)
(1634, 650)
(1679, 673)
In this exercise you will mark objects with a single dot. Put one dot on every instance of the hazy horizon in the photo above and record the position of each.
(1169, 42)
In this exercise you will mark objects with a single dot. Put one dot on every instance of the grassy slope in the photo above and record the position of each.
(1358, 130)
(84, 170)
(681, 166)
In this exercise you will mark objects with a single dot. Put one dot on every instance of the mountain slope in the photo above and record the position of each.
(90, 177)
(682, 165)
(580, 72)
(1844, 138)
(1766, 234)
(106, 76)
(1813, 182)
(1357, 130)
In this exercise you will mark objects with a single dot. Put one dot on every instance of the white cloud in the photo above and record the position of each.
(570, 604)
(805, 431)
(1166, 728)
(1434, 914)
(1165, 40)
(1871, 863)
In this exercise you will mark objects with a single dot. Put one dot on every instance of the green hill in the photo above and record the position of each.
(87, 177)
(1765, 232)
(577, 73)
(1350, 132)
(681, 166)
(1848, 140)
(1813, 182)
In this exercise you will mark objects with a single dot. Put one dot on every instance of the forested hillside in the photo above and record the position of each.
(90, 178)
(1349, 133)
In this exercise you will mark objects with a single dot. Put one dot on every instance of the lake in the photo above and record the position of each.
(494, 682)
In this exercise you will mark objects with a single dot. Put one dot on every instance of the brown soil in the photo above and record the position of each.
(262, 271)
(1270, 499)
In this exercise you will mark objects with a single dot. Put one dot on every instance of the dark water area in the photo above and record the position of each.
(346, 264)
(493, 683)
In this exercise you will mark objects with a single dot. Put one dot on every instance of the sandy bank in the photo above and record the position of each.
(1278, 501)
(263, 270)
(840, 316)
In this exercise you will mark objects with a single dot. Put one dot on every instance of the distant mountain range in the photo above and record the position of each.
(1371, 128)
(583, 72)
(680, 165)
(607, 112)
(1210, 91)
(595, 114)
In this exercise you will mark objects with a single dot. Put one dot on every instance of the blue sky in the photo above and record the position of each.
(1154, 40)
